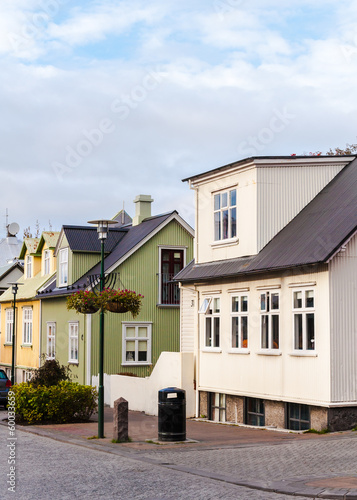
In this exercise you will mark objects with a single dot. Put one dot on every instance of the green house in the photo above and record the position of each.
(141, 255)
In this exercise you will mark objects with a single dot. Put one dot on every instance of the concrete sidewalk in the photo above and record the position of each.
(207, 438)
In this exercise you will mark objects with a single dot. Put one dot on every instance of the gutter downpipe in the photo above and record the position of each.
(197, 364)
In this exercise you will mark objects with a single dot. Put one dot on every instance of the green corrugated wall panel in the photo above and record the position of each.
(81, 263)
(55, 310)
(139, 273)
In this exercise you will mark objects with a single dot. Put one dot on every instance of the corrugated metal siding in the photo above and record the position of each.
(139, 273)
(343, 285)
(187, 321)
(81, 263)
(283, 192)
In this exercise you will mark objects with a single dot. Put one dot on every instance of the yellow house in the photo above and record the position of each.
(39, 267)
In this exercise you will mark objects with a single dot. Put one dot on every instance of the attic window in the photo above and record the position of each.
(29, 266)
(225, 215)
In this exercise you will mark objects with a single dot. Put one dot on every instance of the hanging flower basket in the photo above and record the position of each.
(121, 301)
(84, 302)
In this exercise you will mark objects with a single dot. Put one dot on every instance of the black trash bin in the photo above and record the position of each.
(172, 414)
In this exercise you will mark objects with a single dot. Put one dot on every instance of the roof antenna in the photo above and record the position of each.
(6, 218)
(122, 215)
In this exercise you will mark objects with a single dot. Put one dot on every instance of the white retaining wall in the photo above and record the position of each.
(173, 369)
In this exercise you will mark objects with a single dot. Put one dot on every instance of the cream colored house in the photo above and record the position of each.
(268, 304)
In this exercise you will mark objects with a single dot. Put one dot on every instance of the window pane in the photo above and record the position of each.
(235, 338)
(263, 304)
(275, 331)
(217, 226)
(244, 304)
(225, 224)
(309, 297)
(265, 331)
(235, 304)
(217, 201)
(310, 332)
(297, 331)
(233, 212)
(130, 345)
(142, 331)
(244, 331)
(216, 332)
(224, 199)
(233, 197)
(274, 301)
(216, 307)
(297, 300)
(208, 332)
(130, 331)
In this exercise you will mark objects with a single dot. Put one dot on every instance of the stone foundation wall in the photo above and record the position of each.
(274, 414)
(234, 409)
(342, 419)
(334, 419)
(203, 403)
(318, 418)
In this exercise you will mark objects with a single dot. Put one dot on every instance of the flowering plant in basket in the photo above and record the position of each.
(84, 302)
(121, 301)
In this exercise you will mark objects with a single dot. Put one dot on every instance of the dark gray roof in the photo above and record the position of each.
(312, 237)
(291, 158)
(132, 236)
(85, 239)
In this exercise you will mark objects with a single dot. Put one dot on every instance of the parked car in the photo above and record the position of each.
(5, 384)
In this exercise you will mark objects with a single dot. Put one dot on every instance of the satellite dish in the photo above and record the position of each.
(13, 229)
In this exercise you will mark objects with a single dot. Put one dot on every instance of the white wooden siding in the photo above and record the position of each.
(284, 192)
(187, 319)
(343, 285)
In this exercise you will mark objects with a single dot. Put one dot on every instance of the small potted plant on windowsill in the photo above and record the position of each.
(84, 302)
(121, 301)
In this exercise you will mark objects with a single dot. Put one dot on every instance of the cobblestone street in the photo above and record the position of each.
(61, 465)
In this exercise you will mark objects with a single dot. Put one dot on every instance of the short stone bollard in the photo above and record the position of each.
(120, 420)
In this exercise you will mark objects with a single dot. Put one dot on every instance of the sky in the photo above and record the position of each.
(104, 100)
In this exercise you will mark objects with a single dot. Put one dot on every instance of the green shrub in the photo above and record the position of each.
(61, 403)
(50, 373)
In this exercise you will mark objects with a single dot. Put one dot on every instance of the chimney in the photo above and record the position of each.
(142, 208)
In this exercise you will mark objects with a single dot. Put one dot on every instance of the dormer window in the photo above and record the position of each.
(63, 267)
(29, 266)
(47, 262)
(225, 215)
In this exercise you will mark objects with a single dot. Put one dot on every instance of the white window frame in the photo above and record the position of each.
(212, 317)
(270, 313)
(26, 375)
(9, 325)
(51, 340)
(73, 341)
(29, 265)
(229, 207)
(304, 311)
(46, 262)
(240, 314)
(136, 339)
(27, 325)
(63, 267)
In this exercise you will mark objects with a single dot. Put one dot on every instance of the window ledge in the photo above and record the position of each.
(211, 349)
(239, 351)
(136, 363)
(227, 242)
(303, 354)
(168, 306)
(26, 345)
(70, 362)
(8, 344)
(269, 352)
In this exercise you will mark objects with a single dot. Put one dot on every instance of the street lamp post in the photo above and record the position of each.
(102, 230)
(15, 287)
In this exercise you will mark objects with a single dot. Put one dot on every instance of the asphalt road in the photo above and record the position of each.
(53, 470)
